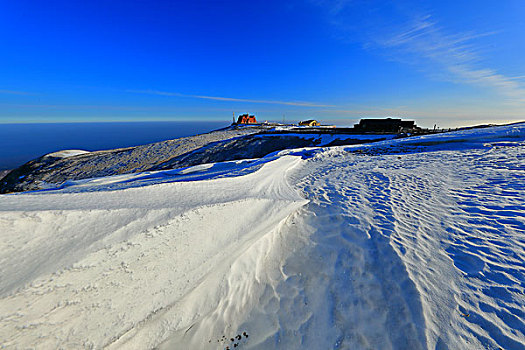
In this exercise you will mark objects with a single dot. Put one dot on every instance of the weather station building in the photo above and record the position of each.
(389, 125)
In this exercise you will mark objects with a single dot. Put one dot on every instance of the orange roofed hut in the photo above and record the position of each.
(246, 119)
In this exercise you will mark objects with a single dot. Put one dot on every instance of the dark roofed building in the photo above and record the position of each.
(385, 125)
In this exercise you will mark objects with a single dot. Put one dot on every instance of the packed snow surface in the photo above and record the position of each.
(415, 243)
(66, 153)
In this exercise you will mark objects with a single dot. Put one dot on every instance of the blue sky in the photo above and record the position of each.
(446, 62)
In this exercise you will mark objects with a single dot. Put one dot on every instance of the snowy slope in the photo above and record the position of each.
(411, 243)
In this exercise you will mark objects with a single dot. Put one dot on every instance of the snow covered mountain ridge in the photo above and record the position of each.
(232, 143)
(414, 243)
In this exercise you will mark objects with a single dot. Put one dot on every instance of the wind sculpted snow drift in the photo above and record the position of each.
(411, 243)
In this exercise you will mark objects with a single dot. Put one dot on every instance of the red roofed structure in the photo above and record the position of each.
(246, 119)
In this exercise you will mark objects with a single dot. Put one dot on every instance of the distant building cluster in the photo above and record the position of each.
(385, 125)
(250, 119)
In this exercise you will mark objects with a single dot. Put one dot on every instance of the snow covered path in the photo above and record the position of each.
(405, 244)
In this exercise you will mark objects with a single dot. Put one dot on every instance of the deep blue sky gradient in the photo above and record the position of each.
(449, 62)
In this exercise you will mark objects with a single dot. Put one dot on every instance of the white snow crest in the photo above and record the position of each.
(98, 266)
(66, 153)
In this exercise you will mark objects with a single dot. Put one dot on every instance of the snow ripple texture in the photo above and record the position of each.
(406, 244)
(424, 250)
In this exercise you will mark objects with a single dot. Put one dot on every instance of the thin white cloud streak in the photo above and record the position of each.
(84, 107)
(13, 92)
(421, 41)
(520, 77)
(334, 7)
(456, 54)
(231, 99)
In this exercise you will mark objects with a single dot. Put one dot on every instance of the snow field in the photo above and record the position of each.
(88, 277)
(430, 244)
(373, 261)
(402, 244)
